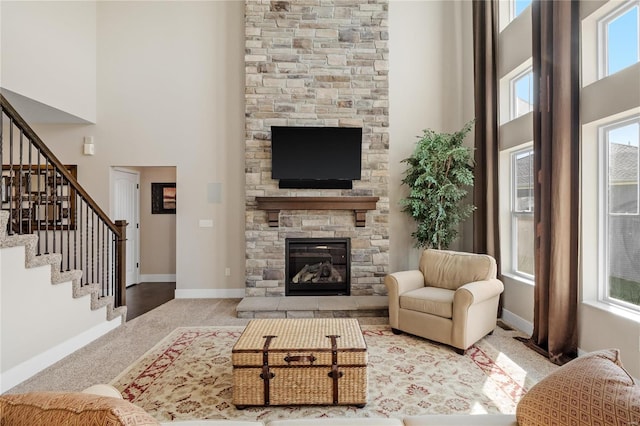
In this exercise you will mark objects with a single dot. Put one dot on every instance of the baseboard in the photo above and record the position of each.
(524, 325)
(222, 293)
(157, 278)
(517, 322)
(27, 369)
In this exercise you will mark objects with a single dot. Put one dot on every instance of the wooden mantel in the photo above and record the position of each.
(359, 205)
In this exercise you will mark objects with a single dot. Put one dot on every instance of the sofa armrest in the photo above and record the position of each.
(103, 390)
(462, 420)
(212, 423)
(397, 284)
(339, 421)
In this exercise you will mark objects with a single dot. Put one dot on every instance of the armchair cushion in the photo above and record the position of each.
(450, 269)
(429, 300)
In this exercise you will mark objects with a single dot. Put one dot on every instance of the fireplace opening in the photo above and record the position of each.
(317, 266)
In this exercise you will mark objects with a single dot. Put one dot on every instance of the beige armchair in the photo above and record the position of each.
(451, 299)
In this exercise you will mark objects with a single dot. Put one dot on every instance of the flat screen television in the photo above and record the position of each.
(316, 157)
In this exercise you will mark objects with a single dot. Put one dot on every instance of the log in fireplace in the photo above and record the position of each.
(317, 266)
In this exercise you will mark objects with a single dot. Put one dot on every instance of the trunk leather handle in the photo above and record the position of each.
(297, 358)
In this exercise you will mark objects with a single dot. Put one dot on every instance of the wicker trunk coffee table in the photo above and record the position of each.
(310, 361)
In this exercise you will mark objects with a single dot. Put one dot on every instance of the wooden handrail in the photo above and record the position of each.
(80, 226)
(28, 131)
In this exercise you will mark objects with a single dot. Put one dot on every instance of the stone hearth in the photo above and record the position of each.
(313, 307)
(316, 63)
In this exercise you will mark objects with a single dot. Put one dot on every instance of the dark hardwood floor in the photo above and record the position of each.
(143, 297)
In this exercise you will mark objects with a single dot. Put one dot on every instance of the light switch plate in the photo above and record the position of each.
(206, 223)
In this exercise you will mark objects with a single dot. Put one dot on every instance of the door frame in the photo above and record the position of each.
(113, 170)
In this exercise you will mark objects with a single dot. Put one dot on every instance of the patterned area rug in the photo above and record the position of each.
(188, 375)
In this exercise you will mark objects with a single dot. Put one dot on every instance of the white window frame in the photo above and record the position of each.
(603, 63)
(603, 213)
(513, 97)
(516, 214)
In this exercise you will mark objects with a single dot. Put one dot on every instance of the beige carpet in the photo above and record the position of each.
(188, 375)
(107, 357)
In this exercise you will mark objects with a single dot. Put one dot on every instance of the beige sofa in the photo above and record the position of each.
(593, 389)
(452, 298)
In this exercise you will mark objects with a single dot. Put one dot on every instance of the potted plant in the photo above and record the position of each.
(438, 173)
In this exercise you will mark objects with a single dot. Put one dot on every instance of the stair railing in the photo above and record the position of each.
(43, 197)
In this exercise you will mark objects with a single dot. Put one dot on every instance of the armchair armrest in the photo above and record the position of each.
(401, 282)
(474, 311)
(397, 284)
(477, 291)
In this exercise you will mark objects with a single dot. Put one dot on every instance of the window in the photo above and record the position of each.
(619, 39)
(518, 6)
(522, 94)
(522, 245)
(620, 216)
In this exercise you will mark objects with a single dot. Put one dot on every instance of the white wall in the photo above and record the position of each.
(429, 42)
(1, 38)
(170, 93)
(26, 345)
(49, 55)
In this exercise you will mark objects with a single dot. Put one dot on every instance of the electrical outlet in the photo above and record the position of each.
(227, 272)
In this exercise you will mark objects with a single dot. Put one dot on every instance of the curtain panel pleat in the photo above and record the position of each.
(556, 157)
(486, 236)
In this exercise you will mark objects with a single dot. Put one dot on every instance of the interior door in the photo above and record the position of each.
(125, 205)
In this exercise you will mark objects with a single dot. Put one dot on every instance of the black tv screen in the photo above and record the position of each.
(314, 156)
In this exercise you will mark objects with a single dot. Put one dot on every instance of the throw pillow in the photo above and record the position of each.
(70, 409)
(593, 389)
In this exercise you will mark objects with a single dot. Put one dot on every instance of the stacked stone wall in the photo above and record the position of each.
(316, 63)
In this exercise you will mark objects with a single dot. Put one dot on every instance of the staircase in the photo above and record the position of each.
(54, 260)
(61, 258)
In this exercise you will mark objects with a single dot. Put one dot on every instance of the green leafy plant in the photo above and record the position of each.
(438, 173)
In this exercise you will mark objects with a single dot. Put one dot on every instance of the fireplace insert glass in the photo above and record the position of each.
(317, 266)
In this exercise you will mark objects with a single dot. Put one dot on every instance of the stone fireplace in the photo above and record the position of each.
(316, 63)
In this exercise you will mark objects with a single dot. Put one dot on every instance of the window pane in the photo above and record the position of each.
(523, 185)
(522, 212)
(622, 41)
(624, 252)
(623, 227)
(623, 169)
(520, 5)
(524, 241)
(522, 95)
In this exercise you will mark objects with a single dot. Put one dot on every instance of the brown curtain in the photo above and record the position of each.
(486, 237)
(556, 144)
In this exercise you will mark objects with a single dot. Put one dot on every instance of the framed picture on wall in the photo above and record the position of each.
(163, 198)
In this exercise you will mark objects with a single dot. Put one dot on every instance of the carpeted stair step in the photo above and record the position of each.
(33, 260)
